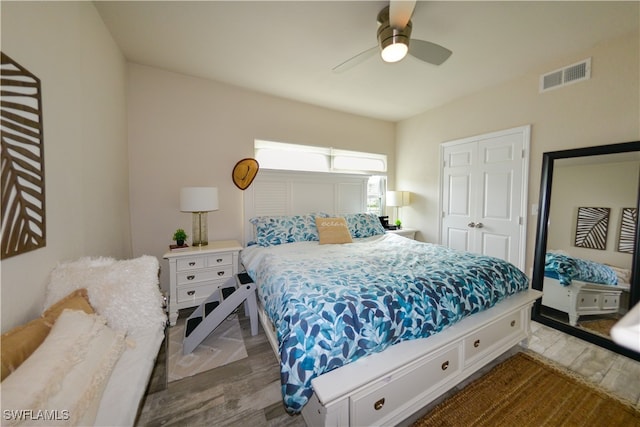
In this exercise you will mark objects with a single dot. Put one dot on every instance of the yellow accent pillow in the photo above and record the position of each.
(19, 343)
(333, 230)
(76, 300)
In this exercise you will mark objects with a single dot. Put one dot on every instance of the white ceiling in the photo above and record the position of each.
(288, 48)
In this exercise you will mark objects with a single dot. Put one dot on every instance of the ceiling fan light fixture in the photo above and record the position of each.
(394, 42)
(394, 52)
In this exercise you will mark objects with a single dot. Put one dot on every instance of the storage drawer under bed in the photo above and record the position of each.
(393, 392)
(480, 341)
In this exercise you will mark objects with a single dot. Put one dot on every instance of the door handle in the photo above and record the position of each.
(479, 225)
(471, 224)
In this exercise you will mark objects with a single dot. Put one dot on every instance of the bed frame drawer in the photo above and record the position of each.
(477, 343)
(588, 300)
(392, 393)
(610, 301)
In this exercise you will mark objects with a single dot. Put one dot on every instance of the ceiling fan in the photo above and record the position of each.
(394, 39)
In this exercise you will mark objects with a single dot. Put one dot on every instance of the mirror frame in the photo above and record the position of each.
(548, 159)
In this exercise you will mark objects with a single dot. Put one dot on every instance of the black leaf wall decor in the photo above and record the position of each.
(628, 224)
(591, 228)
(22, 153)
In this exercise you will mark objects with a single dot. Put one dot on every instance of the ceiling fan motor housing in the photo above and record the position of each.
(388, 35)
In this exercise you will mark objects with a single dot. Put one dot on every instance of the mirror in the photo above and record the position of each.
(588, 235)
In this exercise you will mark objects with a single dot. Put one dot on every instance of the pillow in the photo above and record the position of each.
(333, 230)
(276, 230)
(364, 225)
(19, 343)
(125, 293)
(67, 374)
(624, 274)
(76, 300)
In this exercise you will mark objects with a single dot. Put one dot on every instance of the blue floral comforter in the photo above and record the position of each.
(333, 304)
(566, 269)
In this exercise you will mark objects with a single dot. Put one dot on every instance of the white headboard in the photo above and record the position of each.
(277, 192)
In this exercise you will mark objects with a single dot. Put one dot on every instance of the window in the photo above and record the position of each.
(375, 194)
(279, 155)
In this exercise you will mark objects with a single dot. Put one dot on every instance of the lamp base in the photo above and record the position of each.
(200, 229)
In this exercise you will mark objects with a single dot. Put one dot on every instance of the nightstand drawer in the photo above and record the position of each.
(196, 292)
(195, 276)
(190, 263)
(219, 259)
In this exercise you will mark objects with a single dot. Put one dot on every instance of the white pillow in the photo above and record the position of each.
(125, 292)
(62, 382)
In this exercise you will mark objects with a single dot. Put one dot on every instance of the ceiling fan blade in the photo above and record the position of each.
(400, 12)
(429, 52)
(355, 60)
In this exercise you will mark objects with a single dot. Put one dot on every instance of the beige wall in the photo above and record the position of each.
(187, 131)
(83, 78)
(611, 185)
(602, 110)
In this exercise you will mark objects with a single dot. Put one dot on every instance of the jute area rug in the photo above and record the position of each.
(223, 346)
(525, 391)
(599, 326)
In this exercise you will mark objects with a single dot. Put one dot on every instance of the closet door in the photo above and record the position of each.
(459, 196)
(484, 183)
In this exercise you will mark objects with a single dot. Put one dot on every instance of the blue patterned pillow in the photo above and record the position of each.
(276, 230)
(364, 225)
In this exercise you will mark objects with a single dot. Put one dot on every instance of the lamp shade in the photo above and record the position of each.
(398, 198)
(198, 199)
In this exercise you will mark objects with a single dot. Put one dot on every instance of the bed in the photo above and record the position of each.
(581, 287)
(366, 332)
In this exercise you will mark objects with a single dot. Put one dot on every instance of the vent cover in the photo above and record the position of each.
(571, 74)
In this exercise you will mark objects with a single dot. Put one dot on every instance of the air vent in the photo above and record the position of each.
(573, 73)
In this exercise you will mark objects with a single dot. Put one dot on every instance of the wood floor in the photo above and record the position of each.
(243, 393)
(247, 392)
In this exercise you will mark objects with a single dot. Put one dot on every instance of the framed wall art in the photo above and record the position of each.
(591, 228)
(22, 151)
(628, 224)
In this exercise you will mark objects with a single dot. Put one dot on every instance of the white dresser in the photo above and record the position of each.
(196, 272)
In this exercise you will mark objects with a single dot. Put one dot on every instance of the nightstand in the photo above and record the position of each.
(409, 233)
(196, 272)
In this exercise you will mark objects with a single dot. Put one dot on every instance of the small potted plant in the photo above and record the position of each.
(398, 224)
(180, 236)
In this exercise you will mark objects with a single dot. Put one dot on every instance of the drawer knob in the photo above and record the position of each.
(445, 365)
(379, 404)
(191, 293)
(513, 323)
(219, 260)
(476, 343)
(191, 277)
(220, 273)
(192, 263)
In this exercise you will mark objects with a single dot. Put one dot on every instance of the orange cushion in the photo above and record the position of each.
(18, 344)
(76, 300)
